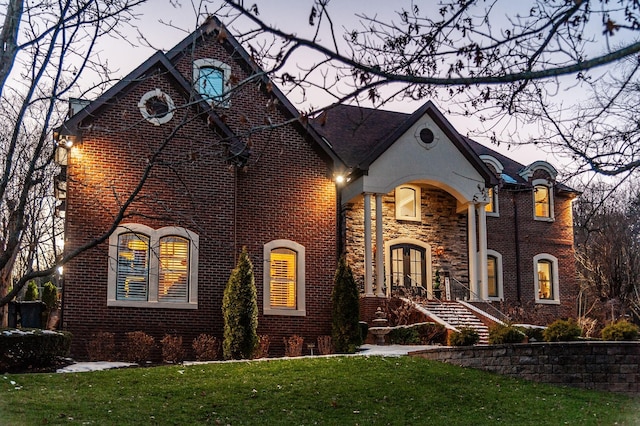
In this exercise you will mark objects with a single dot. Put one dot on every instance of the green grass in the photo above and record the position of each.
(325, 391)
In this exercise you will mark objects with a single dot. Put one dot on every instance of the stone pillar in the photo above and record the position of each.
(482, 251)
(368, 255)
(473, 256)
(379, 247)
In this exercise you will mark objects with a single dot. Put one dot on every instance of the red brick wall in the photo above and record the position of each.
(284, 193)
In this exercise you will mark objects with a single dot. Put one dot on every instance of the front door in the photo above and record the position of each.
(408, 268)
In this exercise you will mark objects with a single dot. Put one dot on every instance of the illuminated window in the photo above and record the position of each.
(494, 275)
(408, 202)
(408, 266)
(543, 202)
(211, 79)
(492, 207)
(153, 268)
(546, 278)
(284, 281)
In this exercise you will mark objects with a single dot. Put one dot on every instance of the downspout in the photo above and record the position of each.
(516, 234)
(235, 214)
(339, 243)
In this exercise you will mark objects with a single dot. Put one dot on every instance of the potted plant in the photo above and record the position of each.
(437, 291)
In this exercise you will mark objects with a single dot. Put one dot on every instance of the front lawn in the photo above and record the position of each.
(330, 391)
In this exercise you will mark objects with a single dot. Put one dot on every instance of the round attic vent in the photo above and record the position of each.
(426, 138)
(156, 107)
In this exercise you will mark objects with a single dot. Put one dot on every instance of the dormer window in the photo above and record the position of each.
(211, 80)
(408, 202)
(543, 200)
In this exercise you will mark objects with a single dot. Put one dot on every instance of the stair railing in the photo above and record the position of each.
(501, 314)
(415, 292)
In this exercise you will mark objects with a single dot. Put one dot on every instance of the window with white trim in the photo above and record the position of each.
(408, 202)
(542, 200)
(494, 278)
(492, 207)
(284, 278)
(211, 80)
(153, 268)
(546, 278)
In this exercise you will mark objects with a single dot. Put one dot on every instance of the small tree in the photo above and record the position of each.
(240, 311)
(345, 302)
(32, 292)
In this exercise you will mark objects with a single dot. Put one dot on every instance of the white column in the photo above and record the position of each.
(473, 256)
(379, 248)
(368, 255)
(482, 251)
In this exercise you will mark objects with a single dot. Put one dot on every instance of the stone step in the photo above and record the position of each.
(457, 315)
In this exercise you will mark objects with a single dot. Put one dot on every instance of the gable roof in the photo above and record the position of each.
(166, 62)
(360, 135)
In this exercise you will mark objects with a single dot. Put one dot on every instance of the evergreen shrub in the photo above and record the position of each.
(562, 331)
(621, 330)
(345, 305)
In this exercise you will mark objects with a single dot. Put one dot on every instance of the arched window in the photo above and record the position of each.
(546, 278)
(494, 271)
(284, 280)
(408, 202)
(543, 200)
(211, 80)
(408, 266)
(153, 268)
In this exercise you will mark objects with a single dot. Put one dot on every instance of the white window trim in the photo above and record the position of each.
(410, 241)
(300, 310)
(499, 284)
(226, 74)
(418, 216)
(496, 204)
(154, 238)
(555, 283)
(156, 93)
(546, 183)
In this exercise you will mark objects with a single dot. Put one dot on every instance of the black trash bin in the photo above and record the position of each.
(31, 314)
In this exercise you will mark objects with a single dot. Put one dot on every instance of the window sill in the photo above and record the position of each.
(547, 302)
(285, 312)
(153, 305)
(544, 219)
(409, 219)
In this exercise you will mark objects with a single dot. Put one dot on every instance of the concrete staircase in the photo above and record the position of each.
(457, 315)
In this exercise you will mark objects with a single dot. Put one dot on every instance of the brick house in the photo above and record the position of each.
(201, 126)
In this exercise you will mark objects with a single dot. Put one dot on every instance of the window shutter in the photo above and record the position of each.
(173, 274)
(132, 280)
(283, 279)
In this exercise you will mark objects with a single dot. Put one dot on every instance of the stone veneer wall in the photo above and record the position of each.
(608, 366)
(440, 226)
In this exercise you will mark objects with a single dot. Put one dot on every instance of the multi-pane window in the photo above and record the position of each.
(408, 202)
(284, 278)
(153, 268)
(408, 266)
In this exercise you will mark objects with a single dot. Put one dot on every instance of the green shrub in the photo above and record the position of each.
(621, 330)
(21, 349)
(466, 336)
(500, 334)
(345, 310)
(535, 334)
(50, 295)
(240, 311)
(364, 330)
(32, 292)
(403, 335)
(562, 331)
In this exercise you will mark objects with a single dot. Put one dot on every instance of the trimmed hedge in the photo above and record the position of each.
(621, 330)
(562, 331)
(32, 348)
(418, 334)
(500, 334)
(466, 336)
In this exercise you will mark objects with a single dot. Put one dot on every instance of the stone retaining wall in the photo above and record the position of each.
(609, 366)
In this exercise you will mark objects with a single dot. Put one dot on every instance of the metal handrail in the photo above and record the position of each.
(477, 296)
